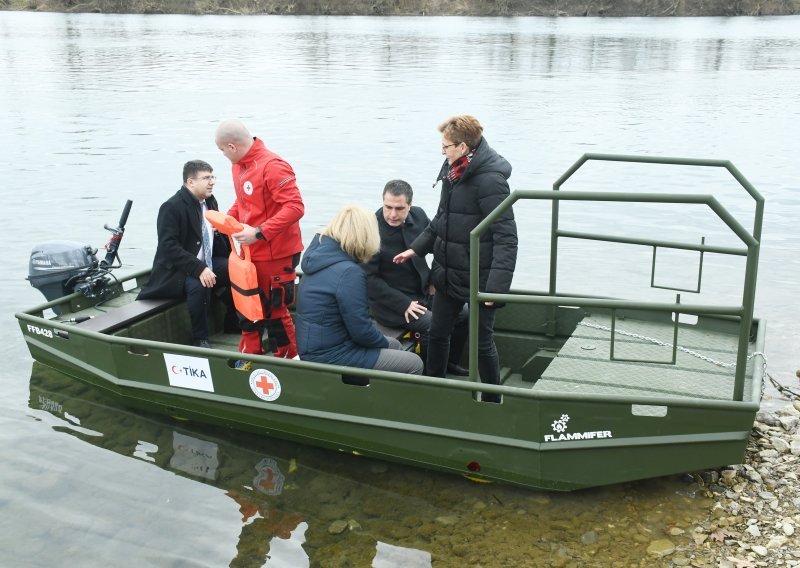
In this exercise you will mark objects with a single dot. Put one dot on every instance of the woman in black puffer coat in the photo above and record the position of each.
(474, 182)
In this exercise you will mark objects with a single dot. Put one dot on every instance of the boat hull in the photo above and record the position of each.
(427, 422)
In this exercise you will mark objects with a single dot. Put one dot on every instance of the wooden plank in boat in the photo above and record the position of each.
(117, 318)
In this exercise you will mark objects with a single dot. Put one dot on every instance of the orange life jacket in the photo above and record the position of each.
(241, 270)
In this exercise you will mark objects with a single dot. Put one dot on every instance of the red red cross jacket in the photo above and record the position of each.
(267, 196)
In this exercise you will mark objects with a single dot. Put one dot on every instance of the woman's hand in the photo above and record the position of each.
(404, 256)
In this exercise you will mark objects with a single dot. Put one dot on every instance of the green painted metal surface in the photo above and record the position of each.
(570, 416)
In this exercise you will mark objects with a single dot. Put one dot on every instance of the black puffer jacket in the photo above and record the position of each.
(462, 207)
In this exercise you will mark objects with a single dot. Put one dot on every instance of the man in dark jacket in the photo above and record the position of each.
(474, 182)
(191, 258)
(400, 295)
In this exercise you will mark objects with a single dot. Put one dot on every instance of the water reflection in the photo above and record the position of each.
(301, 506)
(267, 481)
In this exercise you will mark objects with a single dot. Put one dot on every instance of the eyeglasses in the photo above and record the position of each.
(207, 178)
(446, 146)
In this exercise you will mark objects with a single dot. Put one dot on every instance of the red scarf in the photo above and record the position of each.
(457, 168)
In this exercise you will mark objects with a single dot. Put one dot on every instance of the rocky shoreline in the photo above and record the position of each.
(755, 517)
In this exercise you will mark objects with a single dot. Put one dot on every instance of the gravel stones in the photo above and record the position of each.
(752, 521)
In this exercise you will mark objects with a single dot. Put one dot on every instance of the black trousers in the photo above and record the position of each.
(198, 297)
(446, 312)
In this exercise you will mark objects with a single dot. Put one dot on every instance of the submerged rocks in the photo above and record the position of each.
(661, 548)
(739, 516)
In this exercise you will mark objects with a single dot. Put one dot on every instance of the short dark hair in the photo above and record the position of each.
(193, 167)
(398, 187)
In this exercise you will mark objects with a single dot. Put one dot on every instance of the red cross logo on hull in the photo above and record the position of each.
(265, 385)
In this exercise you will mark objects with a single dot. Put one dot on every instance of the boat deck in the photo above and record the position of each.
(583, 365)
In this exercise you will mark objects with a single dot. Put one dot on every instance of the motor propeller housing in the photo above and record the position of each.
(58, 268)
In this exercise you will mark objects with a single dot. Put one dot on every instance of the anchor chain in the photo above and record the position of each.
(783, 389)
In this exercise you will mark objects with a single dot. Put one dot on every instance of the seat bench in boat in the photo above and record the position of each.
(113, 320)
(408, 343)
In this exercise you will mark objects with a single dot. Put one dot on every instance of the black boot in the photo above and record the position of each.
(456, 369)
(489, 369)
(436, 363)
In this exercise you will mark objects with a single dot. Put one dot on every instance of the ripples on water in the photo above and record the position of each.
(98, 109)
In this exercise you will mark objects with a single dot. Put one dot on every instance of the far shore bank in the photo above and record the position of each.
(541, 8)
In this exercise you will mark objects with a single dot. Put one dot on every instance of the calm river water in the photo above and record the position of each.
(99, 109)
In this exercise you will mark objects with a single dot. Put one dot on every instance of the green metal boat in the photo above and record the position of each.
(595, 390)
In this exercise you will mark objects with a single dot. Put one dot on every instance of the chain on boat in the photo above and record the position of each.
(787, 392)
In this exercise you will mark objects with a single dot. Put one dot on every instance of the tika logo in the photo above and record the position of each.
(188, 372)
(248, 187)
(560, 428)
(40, 331)
(265, 385)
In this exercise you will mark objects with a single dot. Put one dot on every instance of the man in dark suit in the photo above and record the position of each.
(400, 294)
(191, 258)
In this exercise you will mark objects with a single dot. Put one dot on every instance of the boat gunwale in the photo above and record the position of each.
(411, 427)
(454, 384)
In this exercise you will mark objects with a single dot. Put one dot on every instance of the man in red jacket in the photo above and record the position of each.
(269, 205)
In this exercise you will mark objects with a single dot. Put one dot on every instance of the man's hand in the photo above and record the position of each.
(415, 310)
(404, 256)
(246, 236)
(208, 278)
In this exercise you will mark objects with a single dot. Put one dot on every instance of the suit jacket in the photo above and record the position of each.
(392, 287)
(180, 238)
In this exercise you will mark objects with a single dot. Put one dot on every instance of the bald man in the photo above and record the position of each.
(269, 205)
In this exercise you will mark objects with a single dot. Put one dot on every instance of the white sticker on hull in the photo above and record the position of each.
(188, 372)
(560, 428)
(265, 385)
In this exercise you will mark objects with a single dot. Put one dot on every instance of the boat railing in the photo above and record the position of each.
(749, 248)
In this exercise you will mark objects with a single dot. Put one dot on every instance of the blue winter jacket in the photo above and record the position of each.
(332, 320)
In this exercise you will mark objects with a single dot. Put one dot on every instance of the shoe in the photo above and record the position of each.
(458, 370)
(243, 365)
(202, 343)
(490, 397)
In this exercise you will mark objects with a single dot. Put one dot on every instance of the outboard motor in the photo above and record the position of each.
(59, 268)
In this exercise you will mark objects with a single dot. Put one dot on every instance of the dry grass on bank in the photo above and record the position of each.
(421, 7)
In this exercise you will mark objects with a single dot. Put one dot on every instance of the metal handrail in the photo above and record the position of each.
(726, 164)
(750, 240)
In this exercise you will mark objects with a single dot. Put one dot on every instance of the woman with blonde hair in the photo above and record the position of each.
(332, 317)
